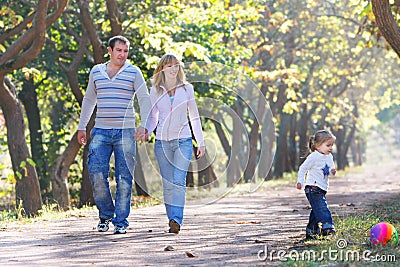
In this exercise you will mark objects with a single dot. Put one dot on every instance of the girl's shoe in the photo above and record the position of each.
(328, 231)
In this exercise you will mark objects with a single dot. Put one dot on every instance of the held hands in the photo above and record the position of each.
(82, 137)
(298, 186)
(201, 151)
(141, 134)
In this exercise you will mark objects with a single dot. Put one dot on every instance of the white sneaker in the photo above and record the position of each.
(120, 230)
(103, 225)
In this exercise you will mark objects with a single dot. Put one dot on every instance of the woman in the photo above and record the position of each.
(172, 98)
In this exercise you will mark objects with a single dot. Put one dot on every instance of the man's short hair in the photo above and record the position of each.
(118, 38)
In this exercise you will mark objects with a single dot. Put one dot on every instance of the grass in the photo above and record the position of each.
(351, 245)
(52, 212)
(47, 213)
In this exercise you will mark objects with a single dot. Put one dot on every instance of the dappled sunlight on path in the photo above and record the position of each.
(229, 232)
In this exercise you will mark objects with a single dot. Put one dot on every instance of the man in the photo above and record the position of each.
(112, 87)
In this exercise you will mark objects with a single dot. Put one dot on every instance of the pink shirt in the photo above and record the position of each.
(171, 119)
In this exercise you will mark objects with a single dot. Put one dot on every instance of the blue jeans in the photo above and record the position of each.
(104, 143)
(320, 213)
(173, 160)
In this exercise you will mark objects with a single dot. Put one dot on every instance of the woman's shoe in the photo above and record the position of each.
(174, 227)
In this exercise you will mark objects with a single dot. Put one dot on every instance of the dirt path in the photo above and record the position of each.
(229, 232)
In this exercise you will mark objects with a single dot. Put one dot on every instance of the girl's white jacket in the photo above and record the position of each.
(317, 167)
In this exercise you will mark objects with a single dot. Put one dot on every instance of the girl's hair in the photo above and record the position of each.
(319, 138)
(159, 76)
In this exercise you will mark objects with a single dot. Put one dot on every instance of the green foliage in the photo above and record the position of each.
(311, 56)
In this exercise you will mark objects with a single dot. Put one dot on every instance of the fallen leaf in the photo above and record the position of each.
(250, 222)
(169, 248)
(189, 254)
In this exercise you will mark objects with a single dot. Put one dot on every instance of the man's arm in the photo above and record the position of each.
(144, 105)
(88, 105)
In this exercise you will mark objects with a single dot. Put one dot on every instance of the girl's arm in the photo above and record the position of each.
(332, 165)
(303, 170)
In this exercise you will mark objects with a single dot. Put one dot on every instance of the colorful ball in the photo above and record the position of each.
(384, 233)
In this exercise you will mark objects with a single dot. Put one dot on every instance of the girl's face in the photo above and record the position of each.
(171, 70)
(326, 147)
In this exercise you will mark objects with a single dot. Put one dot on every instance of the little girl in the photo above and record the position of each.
(318, 165)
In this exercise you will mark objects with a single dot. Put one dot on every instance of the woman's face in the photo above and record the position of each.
(171, 70)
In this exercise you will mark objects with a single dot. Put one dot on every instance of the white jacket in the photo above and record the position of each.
(171, 120)
(317, 166)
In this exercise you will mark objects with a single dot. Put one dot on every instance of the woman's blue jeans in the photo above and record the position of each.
(104, 142)
(320, 213)
(173, 160)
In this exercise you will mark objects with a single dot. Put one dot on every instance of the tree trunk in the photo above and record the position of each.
(292, 151)
(21, 51)
(207, 176)
(281, 162)
(189, 179)
(250, 170)
(114, 14)
(28, 97)
(86, 194)
(140, 181)
(222, 137)
(268, 143)
(303, 140)
(27, 183)
(387, 24)
(59, 173)
(191, 170)
(341, 156)
(233, 171)
(356, 152)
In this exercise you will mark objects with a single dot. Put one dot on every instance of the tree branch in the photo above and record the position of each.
(17, 29)
(34, 38)
(386, 23)
(87, 22)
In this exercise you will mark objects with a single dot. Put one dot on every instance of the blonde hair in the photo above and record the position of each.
(159, 76)
(319, 138)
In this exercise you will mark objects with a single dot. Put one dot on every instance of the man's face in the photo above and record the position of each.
(119, 54)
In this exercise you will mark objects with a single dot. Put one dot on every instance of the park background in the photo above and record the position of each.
(306, 65)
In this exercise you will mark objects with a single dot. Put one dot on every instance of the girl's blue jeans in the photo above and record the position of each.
(104, 142)
(173, 159)
(320, 213)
